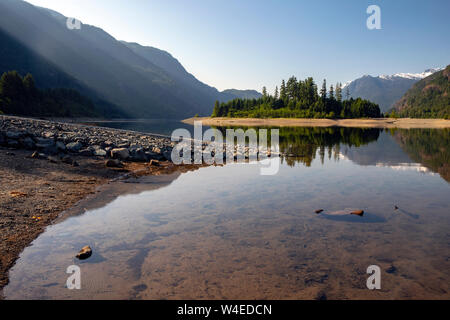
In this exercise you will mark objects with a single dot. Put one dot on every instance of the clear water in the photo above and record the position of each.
(157, 126)
(230, 233)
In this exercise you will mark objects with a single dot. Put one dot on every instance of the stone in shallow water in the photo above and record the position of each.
(84, 253)
(358, 212)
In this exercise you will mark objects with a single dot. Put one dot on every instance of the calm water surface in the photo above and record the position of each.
(230, 233)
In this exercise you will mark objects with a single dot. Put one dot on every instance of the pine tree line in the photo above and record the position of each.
(299, 99)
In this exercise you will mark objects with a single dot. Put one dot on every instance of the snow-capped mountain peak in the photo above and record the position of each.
(413, 76)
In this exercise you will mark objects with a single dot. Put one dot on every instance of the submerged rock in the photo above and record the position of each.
(84, 253)
(358, 212)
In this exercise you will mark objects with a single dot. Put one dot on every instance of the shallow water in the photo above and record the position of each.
(230, 233)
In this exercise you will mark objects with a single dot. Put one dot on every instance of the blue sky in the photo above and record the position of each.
(247, 44)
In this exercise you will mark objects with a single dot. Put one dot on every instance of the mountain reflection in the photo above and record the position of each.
(422, 150)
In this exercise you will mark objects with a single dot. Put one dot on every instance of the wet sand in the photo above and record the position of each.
(405, 123)
(34, 192)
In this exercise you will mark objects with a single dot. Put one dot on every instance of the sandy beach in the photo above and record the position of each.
(404, 123)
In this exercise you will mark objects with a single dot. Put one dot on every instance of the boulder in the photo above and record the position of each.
(138, 154)
(99, 153)
(74, 146)
(120, 153)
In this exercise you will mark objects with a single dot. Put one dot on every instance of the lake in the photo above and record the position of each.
(227, 232)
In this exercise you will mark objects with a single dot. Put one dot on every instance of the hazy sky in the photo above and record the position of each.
(246, 44)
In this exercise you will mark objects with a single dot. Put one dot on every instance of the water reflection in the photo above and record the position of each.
(422, 150)
(229, 233)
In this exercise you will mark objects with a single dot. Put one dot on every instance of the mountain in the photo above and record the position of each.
(428, 98)
(172, 66)
(243, 94)
(15, 56)
(385, 90)
(143, 81)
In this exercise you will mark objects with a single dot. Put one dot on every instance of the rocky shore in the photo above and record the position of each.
(60, 141)
(47, 168)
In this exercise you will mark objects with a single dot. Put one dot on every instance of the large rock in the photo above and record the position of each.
(74, 146)
(99, 153)
(138, 154)
(120, 153)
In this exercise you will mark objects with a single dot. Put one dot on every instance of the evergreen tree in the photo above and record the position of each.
(216, 109)
(347, 92)
(301, 101)
(331, 94)
(264, 92)
(339, 91)
(283, 90)
(323, 91)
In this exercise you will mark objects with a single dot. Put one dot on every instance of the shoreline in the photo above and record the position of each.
(44, 180)
(401, 123)
(36, 193)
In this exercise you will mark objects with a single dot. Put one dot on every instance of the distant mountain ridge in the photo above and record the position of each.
(144, 82)
(243, 94)
(385, 90)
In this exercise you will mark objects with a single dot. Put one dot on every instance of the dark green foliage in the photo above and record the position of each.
(20, 96)
(430, 147)
(428, 98)
(298, 99)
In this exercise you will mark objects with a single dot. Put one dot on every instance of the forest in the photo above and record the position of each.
(19, 96)
(299, 99)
